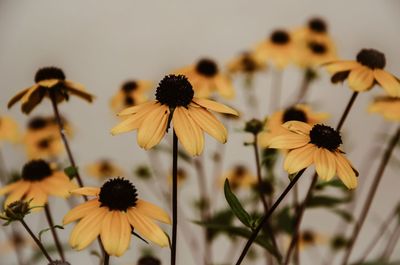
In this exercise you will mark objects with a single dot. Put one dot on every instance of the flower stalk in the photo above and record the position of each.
(174, 197)
(54, 232)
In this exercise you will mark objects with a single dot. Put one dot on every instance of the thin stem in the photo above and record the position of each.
(265, 218)
(276, 90)
(174, 197)
(37, 241)
(106, 259)
(296, 258)
(251, 99)
(305, 85)
(392, 242)
(53, 231)
(346, 111)
(371, 194)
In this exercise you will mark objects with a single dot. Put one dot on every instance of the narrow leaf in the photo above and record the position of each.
(236, 206)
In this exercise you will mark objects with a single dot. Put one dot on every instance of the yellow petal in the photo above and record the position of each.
(346, 172)
(36, 195)
(131, 110)
(59, 185)
(298, 127)
(32, 98)
(340, 66)
(224, 86)
(78, 90)
(147, 228)
(48, 82)
(18, 97)
(115, 233)
(300, 158)
(17, 192)
(9, 188)
(187, 131)
(361, 79)
(388, 82)
(325, 163)
(215, 106)
(88, 191)
(288, 141)
(81, 211)
(152, 211)
(153, 127)
(130, 123)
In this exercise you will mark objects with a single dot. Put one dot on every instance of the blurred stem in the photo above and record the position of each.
(251, 99)
(308, 77)
(174, 197)
(276, 90)
(371, 194)
(391, 244)
(346, 111)
(37, 241)
(106, 259)
(54, 232)
(296, 208)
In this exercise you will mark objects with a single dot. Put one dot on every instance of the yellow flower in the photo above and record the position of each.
(37, 183)
(388, 107)
(279, 49)
(130, 94)
(300, 112)
(114, 214)
(319, 145)
(182, 176)
(309, 238)
(239, 177)
(206, 78)
(9, 130)
(104, 169)
(246, 63)
(175, 102)
(49, 81)
(363, 73)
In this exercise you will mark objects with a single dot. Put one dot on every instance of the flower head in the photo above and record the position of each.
(131, 93)
(38, 181)
(365, 72)
(239, 176)
(9, 130)
(103, 169)
(319, 145)
(148, 260)
(49, 82)
(113, 214)
(388, 107)
(246, 63)
(175, 103)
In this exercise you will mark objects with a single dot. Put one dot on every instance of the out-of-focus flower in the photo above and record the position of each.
(388, 107)
(239, 176)
(309, 238)
(175, 102)
(300, 112)
(131, 93)
(246, 63)
(114, 214)
(49, 82)
(206, 78)
(9, 130)
(365, 72)
(103, 169)
(182, 177)
(37, 183)
(148, 260)
(319, 145)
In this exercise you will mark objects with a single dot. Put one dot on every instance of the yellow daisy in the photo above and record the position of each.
(175, 102)
(130, 94)
(300, 112)
(365, 72)
(37, 183)
(279, 49)
(9, 130)
(319, 145)
(239, 177)
(206, 78)
(246, 63)
(388, 107)
(114, 214)
(104, 169)
(49, 82)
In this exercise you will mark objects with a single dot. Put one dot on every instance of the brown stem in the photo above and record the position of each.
(174, 197)
(346, 111)
(296, 258)
(390, 246)
(54, 232)
(106, 259)
(371, 194)
(37, 241)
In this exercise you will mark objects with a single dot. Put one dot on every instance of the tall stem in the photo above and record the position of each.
(37, 241)
(106, 259)
(174, 197)
(346, 111)
(265, 218)
(390, 246)
(371, 194)
(53, 231)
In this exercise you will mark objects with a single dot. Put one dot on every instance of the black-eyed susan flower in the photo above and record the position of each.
(131, 93)
(206, 78)
(319, 145)
(114, 214)
(38, 181)
(9, 130)
(182, 177)
(104, 169)
(148, 260)
(49, 82)
(388, 107)
(300, 112)
(278, 49)
(239, 177)
(365, 72)
(246, 63)
(174, 102)
(309, 238)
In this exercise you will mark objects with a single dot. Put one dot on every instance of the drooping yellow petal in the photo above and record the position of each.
(130, 123)
(59, 185)
(153, 127)
(361, 79)
(81, 211)
(299, 159)
(388, 82)
(32, 98)
(36, 195)
(340, 66)
(147, 228)
(298, 127)
(88, 191)
(325, 163)
(152, 211)
(115, 233)
(17, 192)
(288, 141)
(18, 97)
(345, 172)
(187, 131)
(224, 86)
(78, 90)
(147, 106)
(215, 106)
(10, 187)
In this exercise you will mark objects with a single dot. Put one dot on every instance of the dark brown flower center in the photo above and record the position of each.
(37, 123)
(207, 67)
(317, 25)
(118, 194)
(371, 58)
(129, 101)
(317, 48)
(308, 236)
(148, 260)
(280, 37)
(44, 143)
(174, 90)
(129, 86)
(47, 73)
(105, 167)
(36, 170)
(248, 63)
(294, 114)
(325, 137)
(239, 171)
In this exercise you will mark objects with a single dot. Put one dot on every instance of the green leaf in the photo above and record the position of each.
(237, 207)
(325, 201)
(71, 171)
(47, 229)
(348, 217)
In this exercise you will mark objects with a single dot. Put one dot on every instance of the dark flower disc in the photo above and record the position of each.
(325, 137)
(371, 58)
(47, 73)
(174, 91)
(36, 170)
(118, 194)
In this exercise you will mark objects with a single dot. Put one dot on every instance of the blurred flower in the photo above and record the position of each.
(388, 107)
(182, 176)
(14, 241)
(279, 49)
(130, 94)
(363, 73)
(300, 112)
(104, 169)
(239, 177)
(148, 260)
(319, 145)
(37, 183)
(9, 130)
(49, 81)
(309, 238)
(114, 214)
(206, 78)
(175, 102)
(246, 63)
(15, 211)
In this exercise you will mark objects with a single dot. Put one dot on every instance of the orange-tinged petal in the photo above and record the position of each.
(299, 159)
(153, 127)
(81, 211)
(361, 79)
(388, 82)
(18, 97)
(298, 127)
(325, 163)
(152, 211)
(115, 233)
(88, 191)
(36, 195)
(59, 185)
(78, 90)
(340, 66)
(130, 123)
(135, 109)
(32, 98)
(224, 86)
(288, 141)
(48, 82)
(17, 192)
(215, 106)
(10, 187)
(346, 172)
